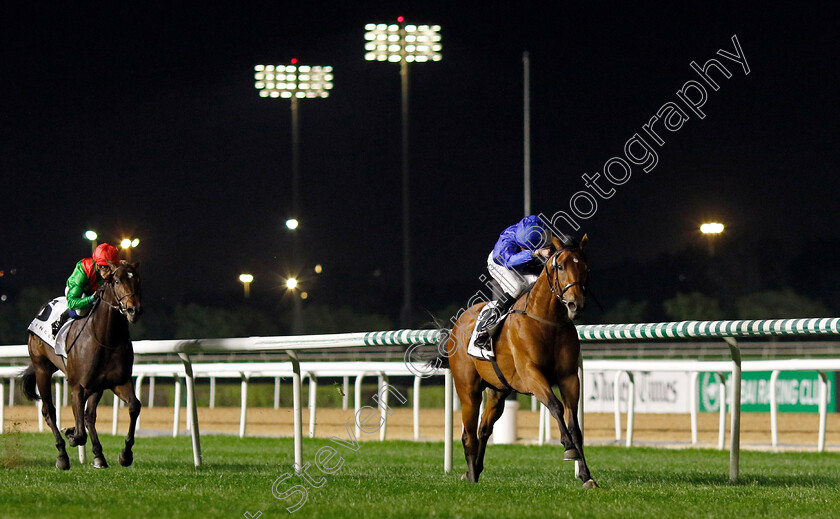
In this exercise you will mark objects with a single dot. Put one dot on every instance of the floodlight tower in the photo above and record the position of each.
(294, 82)
(403, 44)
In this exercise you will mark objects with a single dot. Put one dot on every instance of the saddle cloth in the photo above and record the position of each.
(42, 324)
(475, 351)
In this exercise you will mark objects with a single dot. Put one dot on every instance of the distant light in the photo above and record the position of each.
(395, 42)
(304, 295)
(292, 223)
(91, 235)
(294, 61)
(135, 242)
(318, 268)
(400, 19)
(126, 243)
(3, 297)
(711, 228)
(246, 278)
(291, 283)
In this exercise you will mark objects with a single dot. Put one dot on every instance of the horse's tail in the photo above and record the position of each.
(28, 378)
(441, 360)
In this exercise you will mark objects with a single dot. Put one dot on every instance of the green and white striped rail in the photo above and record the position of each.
(700, 329)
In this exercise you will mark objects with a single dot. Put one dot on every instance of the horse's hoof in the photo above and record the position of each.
(571, 455)
(590, 484)
(63, 463)
(126, 458)
(100, 463)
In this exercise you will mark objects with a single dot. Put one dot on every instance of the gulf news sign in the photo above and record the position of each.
(668, 392)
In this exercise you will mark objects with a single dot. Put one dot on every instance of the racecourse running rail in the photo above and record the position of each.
(725, 330)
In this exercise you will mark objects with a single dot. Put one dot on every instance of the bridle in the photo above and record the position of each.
(120, 306)
(554, 284)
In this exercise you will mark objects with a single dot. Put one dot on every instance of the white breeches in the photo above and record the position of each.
(512, 282)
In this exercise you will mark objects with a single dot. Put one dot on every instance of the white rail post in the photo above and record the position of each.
(416, 410)
(2, 406)
(115, 415)
(383, 405)
(722, 422)
(542, 426)
(534, 403)
(39, 404)
(345, 397)
(580, 406)
(694, 404)
(137, 387)
(631, 408)
(192, 409)
(276, 392)
(58, 404)
(774, 409)
(617, 405)
(357, 402)
(447, 422)
(12, 391)
(66, 390)
(243, 405)
(176, 420)
(212, 392)
(313, 392)
(823, 407)
(151, 402)
(297, 412)
(735, 433)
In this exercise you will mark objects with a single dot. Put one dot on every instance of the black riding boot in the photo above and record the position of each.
(61, 320)
(489, 324)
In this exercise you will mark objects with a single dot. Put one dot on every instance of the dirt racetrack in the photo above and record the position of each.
(796, 430)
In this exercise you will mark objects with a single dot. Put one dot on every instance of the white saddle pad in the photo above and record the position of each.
(472, 349)
(42, 324)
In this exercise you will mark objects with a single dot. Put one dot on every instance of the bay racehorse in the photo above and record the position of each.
(536, 350)
(99, 357)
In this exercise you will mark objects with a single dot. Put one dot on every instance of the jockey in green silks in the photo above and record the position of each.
(87, 277)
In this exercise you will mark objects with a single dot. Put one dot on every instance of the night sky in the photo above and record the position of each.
(143, 120)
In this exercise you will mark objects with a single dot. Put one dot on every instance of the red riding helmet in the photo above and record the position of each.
(104, 253)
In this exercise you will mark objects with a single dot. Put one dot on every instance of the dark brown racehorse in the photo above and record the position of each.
(99, 357)
(536, 350)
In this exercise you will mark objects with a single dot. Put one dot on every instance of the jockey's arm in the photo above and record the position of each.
(76, 286)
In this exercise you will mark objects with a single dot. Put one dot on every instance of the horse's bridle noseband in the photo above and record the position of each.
(119, 306)
(554, 285)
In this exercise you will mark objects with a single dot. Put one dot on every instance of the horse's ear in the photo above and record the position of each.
(584, 241)
(556, 242)
(110, 264)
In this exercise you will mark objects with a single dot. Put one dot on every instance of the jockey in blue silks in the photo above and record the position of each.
(514, 264)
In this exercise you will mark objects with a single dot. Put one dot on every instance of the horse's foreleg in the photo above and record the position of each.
(469, 417)
(77, 435)
(90, 423)
(126, 393)
(493, 409)
(542, 390)
(44, 380)
(570, 391)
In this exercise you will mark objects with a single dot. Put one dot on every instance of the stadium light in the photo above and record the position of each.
(710, 230)
(403, 43)
(246, 282)
(127, 244)
(293, 82)
(91, 236)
